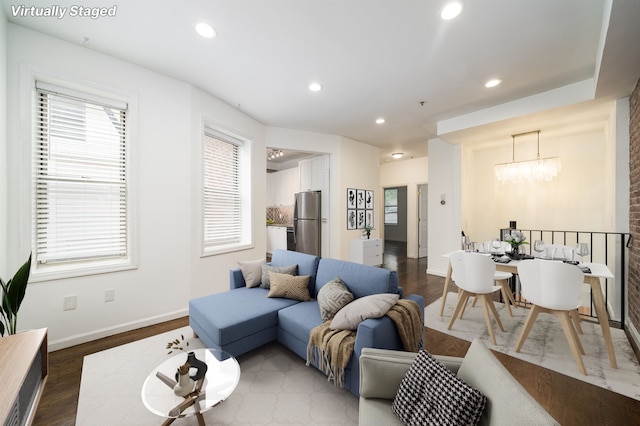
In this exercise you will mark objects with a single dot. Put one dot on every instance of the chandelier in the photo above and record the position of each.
(275, 153)
(540, 169)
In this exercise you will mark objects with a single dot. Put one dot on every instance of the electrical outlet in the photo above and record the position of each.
(70, 303)
(109, 295)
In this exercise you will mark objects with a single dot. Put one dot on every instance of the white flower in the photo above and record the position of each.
(515, 238)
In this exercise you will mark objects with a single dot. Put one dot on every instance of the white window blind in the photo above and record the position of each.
(80, 177)
(222, 196)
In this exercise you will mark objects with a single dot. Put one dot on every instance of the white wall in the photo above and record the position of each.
(409, 173)
(580, 198)
(4, 177)
(359, 168)
(166, 118)
(444, 220)
(590, 194)
(210, 274)
(353, 165)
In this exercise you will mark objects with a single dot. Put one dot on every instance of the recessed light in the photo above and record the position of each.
(397, 155)
(205, 30)
(451, 10)
(315, 87)
(493, 82)
(380, 121)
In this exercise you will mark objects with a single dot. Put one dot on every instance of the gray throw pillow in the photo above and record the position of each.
(266, 283)
(252, 271)
(430, 394)
(332, 297)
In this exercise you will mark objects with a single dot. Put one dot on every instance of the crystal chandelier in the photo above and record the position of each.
(540, 169)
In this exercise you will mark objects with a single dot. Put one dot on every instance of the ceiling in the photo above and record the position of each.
(395, 59)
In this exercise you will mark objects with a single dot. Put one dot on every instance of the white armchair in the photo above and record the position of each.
(508, 403)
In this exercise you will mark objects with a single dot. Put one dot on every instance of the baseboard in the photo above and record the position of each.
(78, 339)
(436, 272)
(633, 336)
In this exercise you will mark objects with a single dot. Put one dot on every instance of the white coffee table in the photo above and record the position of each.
(222, 377)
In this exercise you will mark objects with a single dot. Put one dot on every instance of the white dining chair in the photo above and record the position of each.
(555, 288)
(502, 278)
(558, 252)
(474, 275)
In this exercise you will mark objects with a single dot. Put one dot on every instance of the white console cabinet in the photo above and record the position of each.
(368, 252)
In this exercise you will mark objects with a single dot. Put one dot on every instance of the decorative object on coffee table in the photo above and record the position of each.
(221, 378)
(185, 383)
(200, 366)
(177, 344)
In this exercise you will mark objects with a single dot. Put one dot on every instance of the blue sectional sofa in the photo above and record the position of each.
(242, 319)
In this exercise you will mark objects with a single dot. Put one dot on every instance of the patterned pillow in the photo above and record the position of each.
(291, 270)
(332, 297)
(289, 286)
(430, 394)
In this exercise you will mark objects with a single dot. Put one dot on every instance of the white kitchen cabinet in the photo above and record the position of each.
(271, 189)
(290, 185)
(281, 187)
(315, 175)
(367, 252)
(312, 172)
(276, 238)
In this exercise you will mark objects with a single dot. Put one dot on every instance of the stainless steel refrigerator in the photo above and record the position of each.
(307, 222)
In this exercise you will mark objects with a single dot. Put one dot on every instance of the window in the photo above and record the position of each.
(391, 206)
(227, 214)
(80, 180)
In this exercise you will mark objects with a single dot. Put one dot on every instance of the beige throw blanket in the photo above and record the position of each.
(332, 349)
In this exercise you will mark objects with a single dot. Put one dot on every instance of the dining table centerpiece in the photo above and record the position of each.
(516, 240)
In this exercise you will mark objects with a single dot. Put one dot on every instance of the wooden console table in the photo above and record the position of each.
(24, 368)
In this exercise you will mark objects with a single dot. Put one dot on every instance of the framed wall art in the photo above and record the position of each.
(368, 200)
(360, 205)
(351, 198)
(351, 219)
(360, 200)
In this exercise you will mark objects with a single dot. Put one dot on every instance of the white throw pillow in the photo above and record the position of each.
(373, 306)
(252, 271)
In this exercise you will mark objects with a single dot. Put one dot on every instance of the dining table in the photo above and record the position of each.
(595, 272)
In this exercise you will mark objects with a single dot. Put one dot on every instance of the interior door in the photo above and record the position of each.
(422, 220)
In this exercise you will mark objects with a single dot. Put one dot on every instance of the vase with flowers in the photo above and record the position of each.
(516, 240)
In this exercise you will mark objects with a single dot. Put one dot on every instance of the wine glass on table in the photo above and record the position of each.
(496, 244)
(582, 250)
(465, 243)
(538, 247)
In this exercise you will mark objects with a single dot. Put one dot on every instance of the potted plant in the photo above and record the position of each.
(366, 231)
(12, 295)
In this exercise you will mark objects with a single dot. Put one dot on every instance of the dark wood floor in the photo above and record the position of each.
(570, 401)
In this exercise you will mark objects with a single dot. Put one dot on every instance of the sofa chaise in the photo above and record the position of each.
(243, 318)
(507, 402)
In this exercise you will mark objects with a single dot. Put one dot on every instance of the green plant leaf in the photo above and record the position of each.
(17, 287)
(4, 306)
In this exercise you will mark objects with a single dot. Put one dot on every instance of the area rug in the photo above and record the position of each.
(275, 388)
(546, 344)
